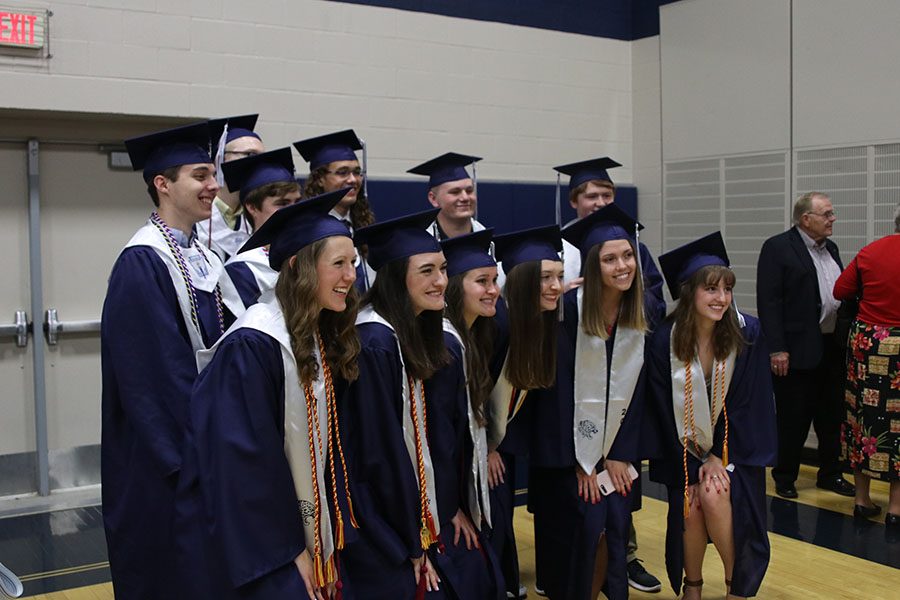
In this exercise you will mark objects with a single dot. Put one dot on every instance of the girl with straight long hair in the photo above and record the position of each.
(524, 361)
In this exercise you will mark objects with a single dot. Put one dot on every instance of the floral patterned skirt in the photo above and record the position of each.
(870, 435)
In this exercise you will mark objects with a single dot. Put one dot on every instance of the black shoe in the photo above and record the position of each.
(838, 485)
(892, 520)
(786, 490)
(640, 579)
(866, 512)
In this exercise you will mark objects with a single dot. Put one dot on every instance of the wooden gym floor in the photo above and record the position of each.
(818, 550)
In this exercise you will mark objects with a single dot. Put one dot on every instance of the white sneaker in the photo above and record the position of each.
(539, 591)
(523, 593)
(9, 583)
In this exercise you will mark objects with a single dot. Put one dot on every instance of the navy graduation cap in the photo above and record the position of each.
(603, 225)
(446, 167)
(538, 243)
(467, 252)
(398, 238)
(252, 172)
(679, 264)
(296, 226)
(587, 170)
(156, 152)
(319, 151)
(237, 127)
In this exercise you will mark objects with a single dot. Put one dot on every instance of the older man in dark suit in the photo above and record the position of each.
(794, 279)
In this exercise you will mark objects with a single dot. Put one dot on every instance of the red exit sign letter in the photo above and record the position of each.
(21, 29)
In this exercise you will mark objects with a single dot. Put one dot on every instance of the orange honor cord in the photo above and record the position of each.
(720, 384)
(312, 420)
(427, 533)
(334, 438)
(688, 410)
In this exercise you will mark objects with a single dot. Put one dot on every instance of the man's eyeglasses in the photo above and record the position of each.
(346, 172)
(828, 214)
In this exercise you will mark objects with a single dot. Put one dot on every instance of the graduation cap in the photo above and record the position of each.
(538, 243)
(319, 151)
(298, 225)
(446, 167)
(469, 251)
(156, 152)
(398, 238)
(587, 170)
(233, 128)
(248, 174)
(603, 225)
(679, 264)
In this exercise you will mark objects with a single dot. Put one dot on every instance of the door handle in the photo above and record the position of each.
(53, 327)
(19, 329)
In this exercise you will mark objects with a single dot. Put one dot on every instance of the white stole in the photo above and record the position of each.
(477, 484)
(257, 260)
(704, 420)
(225, 240)
(204, 266)
(368, 315)
(599, 411)
(266, 316)
(504, 407)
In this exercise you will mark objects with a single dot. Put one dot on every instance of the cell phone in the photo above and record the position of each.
(606, 484)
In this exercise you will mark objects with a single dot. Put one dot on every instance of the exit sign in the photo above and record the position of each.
(23, 28)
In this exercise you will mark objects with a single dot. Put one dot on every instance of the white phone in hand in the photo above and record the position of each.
(606, 484)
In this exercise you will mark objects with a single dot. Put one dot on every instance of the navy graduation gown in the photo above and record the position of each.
(466, 573)
(567, 528)
(503, 495)
(752, 444)
(237, 522)
(244, 282)
(148, 368)
(654, 302)
(385, 486)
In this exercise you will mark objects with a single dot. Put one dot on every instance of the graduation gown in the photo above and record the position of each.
(239, 522)
(385, 487)
(148, 369)
(752, 444)
(466, 573)
(247, 276)
(514, 443)
(567, 528)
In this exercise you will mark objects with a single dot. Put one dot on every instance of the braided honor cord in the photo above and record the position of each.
(427, 533)
(175, 249)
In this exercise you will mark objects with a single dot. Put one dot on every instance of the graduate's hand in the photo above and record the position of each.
(304, 564)
(496, 469)
(618, 474)
(462, 524)
(588, 488)
(431, 577)
(573, 283)
(713, 474)
(781, 362)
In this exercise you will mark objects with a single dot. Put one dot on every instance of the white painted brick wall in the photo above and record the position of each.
(413, 84)
(646, 133)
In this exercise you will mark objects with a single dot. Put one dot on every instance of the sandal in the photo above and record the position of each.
(688, 583)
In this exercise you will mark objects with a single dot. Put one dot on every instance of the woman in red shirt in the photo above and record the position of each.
(870, 435)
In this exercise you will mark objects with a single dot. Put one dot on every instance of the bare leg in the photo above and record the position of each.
(695, 539)
(862, 489)
(601, 561)
(894, 506)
